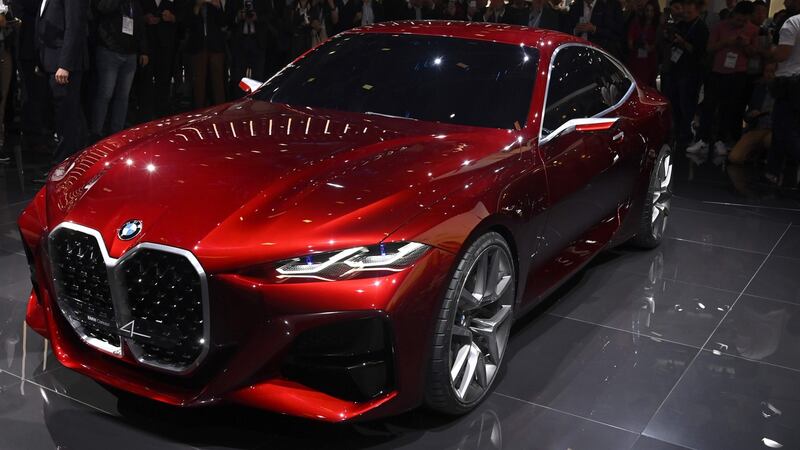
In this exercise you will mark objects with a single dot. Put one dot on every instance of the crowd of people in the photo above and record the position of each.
(87, 68)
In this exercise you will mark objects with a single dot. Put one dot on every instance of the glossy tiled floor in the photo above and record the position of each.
(693, 345)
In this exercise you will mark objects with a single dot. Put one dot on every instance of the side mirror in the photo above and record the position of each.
(583, 125)
(249, 85)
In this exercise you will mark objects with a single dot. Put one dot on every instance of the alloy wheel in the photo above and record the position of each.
(662, 196)
(482, 323)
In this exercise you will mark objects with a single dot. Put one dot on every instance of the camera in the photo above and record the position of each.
(248, 9)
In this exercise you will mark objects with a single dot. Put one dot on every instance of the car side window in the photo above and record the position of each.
(583, 83)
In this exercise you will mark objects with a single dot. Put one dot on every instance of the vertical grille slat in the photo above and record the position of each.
(153, 299)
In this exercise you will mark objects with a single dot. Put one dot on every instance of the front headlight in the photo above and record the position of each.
(331, 266)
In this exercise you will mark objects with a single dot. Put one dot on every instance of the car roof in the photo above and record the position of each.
(507, 34)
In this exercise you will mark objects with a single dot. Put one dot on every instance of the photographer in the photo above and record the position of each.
(249, 40)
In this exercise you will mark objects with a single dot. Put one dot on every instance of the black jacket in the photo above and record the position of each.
(108, 18)
(607, 17)
(208, 29)
(61, 35)
(27, 11)
(263, 22)
(163, 35)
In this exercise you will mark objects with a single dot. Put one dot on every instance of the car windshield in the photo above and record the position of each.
(430, 78)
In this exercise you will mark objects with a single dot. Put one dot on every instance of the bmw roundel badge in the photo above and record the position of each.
(130, 229)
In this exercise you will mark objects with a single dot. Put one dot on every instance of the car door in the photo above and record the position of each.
(578, 147)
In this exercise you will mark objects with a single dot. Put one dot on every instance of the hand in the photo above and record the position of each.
(678, 39)
(216, 4)
(151, 19)
(167, 16)
(253, 17)
(62, 76)
(143, 60)
(358, 17)
(332, 4)
(3, 21)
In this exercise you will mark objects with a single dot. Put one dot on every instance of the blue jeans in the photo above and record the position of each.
(115, 73)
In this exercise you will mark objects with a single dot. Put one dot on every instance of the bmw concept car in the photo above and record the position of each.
(356, 236)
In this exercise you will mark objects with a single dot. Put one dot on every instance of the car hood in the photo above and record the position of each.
(256, 181)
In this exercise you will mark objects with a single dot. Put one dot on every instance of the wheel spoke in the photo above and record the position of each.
(488, 330)
(493, 275)
(471, 364)
(480, 372)
(458, 364)
(480, 275)
(469, 300)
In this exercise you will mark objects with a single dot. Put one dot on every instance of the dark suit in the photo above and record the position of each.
(154, 79)
(61, 36)
(34, 86)
(551, 19)
(607, 17)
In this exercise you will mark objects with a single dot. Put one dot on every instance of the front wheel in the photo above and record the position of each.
(653, 222)
(473, 326)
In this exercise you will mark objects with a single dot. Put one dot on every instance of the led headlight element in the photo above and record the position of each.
(331, 266)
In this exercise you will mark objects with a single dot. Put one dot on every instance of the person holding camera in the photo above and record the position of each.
(249, 39)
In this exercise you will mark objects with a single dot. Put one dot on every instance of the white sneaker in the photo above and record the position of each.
(720, 149)
(697, 147)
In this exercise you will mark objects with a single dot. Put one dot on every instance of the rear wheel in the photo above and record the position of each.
(653, 222)
(473, 327)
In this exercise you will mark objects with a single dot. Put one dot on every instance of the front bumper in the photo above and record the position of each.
(256, 329)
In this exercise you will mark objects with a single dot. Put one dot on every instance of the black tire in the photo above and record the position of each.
(649, 235)
(439, 391)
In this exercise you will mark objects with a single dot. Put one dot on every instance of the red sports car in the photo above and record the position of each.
(356, 236)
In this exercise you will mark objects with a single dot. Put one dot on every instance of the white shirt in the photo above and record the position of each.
(790, 35)
(41, 10)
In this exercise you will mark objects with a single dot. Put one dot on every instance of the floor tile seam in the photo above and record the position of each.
(724, 316)
(766, 363)
(731, 215)
(631, 332)
(668, 442)
(674, 280)
(578, 416)
(727, 247)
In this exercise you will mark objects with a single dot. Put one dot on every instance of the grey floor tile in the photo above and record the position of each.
(749, 233)
(762, 330)
(599, 373)
(779, 278)
(700, 264)
(730, 403)
(646, 304)
(790, 244)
